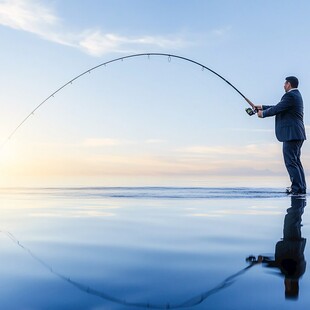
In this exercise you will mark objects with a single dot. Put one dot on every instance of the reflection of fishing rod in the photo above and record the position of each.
(224, 284)
(86, 289)
(250, 111)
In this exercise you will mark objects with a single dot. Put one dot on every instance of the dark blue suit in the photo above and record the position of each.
(290, 130)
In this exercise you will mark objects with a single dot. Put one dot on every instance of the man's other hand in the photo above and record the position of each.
(260, 113)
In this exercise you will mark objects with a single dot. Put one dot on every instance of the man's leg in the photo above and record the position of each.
(291, 153)
(301, 169)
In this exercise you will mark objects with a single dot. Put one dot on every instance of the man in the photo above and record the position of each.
(290, 130)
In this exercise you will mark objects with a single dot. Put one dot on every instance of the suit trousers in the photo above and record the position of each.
(291, 154)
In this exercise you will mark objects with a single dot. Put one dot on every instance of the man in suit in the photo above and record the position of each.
(290, 130)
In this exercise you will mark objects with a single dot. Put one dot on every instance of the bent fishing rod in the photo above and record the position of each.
(250, 111)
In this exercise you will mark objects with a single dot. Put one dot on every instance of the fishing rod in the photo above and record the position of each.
(250, 111)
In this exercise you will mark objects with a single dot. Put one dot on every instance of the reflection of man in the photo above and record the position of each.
(290, 130)
(289, 252)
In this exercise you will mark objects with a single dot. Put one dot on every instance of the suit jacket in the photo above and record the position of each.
(289, 117)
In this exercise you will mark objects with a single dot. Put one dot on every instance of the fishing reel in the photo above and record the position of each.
(251, 111)
(251, 259)
(260, 259)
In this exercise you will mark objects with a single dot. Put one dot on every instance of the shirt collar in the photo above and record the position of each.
(292, 89)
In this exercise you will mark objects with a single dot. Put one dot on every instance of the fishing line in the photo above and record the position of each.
(250, 111)
(89, 290)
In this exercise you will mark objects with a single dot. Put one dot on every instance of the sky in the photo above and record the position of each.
(147, 121)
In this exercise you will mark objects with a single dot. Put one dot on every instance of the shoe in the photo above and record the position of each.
(299, 193)
(289, 191)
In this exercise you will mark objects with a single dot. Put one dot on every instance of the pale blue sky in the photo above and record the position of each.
(147, 121)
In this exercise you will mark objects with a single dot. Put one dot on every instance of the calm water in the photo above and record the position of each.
(144, 248)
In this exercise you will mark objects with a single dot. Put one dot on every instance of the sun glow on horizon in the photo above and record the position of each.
(107, 161)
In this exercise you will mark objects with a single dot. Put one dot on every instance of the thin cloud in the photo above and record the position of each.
(104, 142)
(96, 142)
(155, 141)
(253, 150)
(26, 15)
(34, 17)
(223, 31)
(251, 129)
(96, 43)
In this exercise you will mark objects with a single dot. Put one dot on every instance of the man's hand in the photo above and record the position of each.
(258, 107)
(259, 110)
(260, 113)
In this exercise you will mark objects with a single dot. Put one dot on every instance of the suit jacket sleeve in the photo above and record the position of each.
(265, 107)
(287, 101)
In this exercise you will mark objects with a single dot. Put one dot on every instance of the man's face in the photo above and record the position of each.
(287, 86)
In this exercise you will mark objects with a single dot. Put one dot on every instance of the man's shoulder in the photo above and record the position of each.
(296, 96)
(292, 94)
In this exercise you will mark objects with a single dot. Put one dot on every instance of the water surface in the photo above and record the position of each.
(152, 247)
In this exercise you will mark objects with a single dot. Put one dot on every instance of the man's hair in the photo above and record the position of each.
(293, 81)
